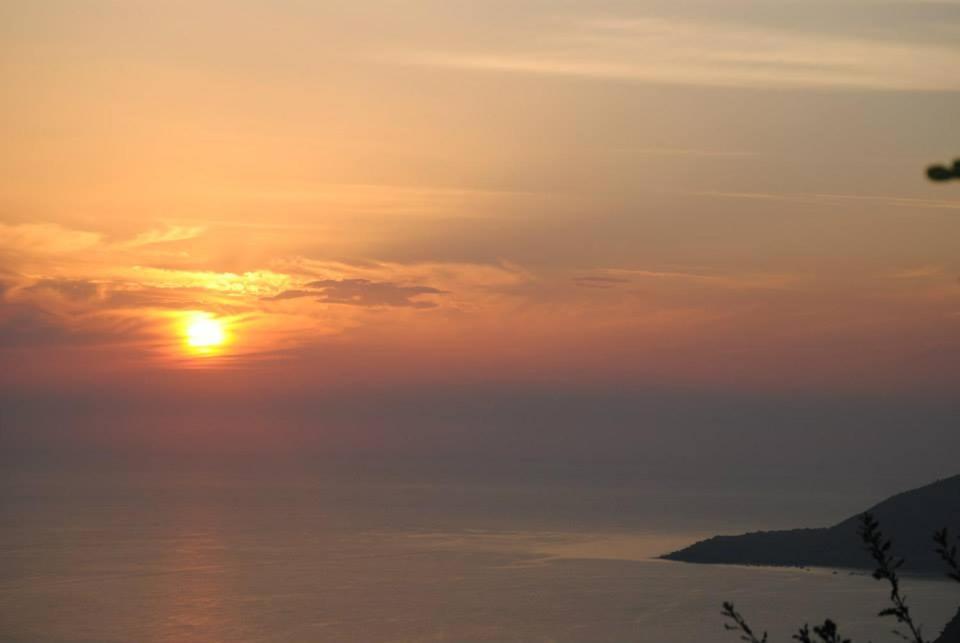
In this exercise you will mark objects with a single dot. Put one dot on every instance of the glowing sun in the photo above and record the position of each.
(204, 331)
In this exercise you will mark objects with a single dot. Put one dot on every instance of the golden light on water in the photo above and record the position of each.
(204, 333)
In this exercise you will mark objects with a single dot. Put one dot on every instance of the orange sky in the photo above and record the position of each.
(534, 194)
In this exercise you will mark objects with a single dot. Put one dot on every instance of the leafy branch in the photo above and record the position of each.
(948, 553)
(887, 566)
(739, 624)
(827, 633)
(944, 172)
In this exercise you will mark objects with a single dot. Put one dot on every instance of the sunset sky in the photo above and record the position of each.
(549, 228)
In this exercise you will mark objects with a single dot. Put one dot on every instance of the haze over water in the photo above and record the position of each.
(216, 554)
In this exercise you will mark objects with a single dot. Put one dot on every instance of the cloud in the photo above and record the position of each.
(291, 294)
(124, 297)
(598, 281)
(263, 283)
(171, 233)
(445, 275)
(22, 325)
(833, 199)
(703, 52)
(734, 281)
(26, 324)
(920, 272)
(73, 289)
(363, 292)
(45, 239)
(57, 312)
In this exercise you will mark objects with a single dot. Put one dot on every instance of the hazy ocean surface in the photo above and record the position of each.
(180, 556)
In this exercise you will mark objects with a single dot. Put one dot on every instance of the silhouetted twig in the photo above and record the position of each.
(880, 549)
(944, 172)
(740, 625)
(887, 566)
(827, 633)
(948, 552)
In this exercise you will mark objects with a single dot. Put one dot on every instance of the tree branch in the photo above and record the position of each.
(887, 566)
(948, 552)
(738, 624)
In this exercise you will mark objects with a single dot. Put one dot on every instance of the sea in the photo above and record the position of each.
(151, 553)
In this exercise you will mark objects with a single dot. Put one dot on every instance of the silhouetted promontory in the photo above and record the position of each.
(909, 519)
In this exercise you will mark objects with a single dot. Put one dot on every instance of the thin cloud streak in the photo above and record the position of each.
(363, 292)
(708, 54)
(892, 201)
(167, 235)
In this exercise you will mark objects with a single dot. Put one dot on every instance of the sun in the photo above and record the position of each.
(204, 331)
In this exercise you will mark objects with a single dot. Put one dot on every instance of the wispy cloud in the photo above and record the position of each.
(165, 235)
(30, 239)
(814, 198)
(724, 280)
(256, 283)
(363, 292)
(920, 272)
(72, 289)
(599, 281)
(687, 51)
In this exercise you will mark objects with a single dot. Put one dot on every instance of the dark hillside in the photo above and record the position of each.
(909, 519)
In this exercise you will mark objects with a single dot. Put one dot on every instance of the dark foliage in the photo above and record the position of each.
(887, 564)
(738, 624)
(948, 552)
(827, 633)
(944, 172)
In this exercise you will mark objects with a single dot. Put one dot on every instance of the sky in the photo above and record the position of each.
(689, 236)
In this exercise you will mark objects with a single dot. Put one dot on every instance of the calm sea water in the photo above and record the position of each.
(179, 556)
